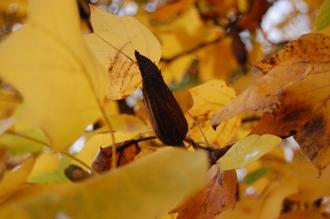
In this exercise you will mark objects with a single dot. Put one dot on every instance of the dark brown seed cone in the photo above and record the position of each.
(85, 13)
(238, 48)
(164, 112)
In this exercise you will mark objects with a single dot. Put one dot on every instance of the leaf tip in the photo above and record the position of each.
(214, 123)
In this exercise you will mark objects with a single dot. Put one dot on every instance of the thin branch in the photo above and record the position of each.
(10, 132)
(199, 129)
(79, 161)
(193, 49)
(214, 154)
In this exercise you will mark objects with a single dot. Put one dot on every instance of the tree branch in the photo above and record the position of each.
(193, 49)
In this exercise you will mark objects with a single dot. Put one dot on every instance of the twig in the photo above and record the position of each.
(79, 161)
(10, 132)
(191, 50)
(214, 154)
(199, 129)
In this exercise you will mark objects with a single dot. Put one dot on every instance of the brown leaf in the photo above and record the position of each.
(76, 173)
(126, 152)
(218, 195)
(311, 214)
(252, 19)
(304, 112)
(170, 10)
(295, 94)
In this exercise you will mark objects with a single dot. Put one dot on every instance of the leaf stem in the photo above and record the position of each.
(214, 154)
(193, 49)
(10, 132)
(199, 129)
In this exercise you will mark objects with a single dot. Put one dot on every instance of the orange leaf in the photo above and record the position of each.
(218, 195)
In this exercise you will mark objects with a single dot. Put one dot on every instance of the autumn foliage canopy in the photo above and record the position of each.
(179, 109)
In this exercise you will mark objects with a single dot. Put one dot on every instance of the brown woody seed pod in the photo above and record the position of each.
(85, 13)
(164, 112)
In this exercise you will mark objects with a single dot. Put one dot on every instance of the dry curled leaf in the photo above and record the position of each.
(252, 19)
(295, 94)
(126, 152)
(217, 195)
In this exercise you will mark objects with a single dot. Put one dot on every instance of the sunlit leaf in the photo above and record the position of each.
(129, 192)
(247, 150)
(294, 93)
(60, 89)
(207, 98)
(21, 141)
(49, 167)
(113, 42)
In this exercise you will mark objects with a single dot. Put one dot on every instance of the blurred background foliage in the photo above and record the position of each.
(203, 39)
(223, 39)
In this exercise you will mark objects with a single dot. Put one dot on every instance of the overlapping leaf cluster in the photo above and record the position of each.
(69, 114)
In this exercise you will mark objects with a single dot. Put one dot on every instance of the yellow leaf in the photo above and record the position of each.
(48, 62)
(142, 189)
(11, 180)
(268, 205)
(310, 185)
(19, 141)
(247, 150)
(272, 203)
(217, 60)
(48, 167)
(207, 98)
(210, 96)
(294, 96)
(113, 42)
(128, 123)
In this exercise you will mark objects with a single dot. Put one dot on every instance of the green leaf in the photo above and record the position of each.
(19, 142)
(247, 150)
(255, 175)
(323, 17)
(144, 189)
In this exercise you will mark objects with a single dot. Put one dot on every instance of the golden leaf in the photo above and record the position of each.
(114, 194)
(295, 93)
(113, 43)
(247, 150)
(54, 71)
(12, 180)
(207, 98)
